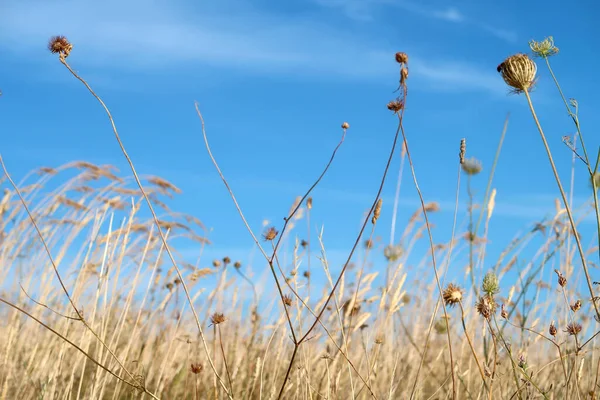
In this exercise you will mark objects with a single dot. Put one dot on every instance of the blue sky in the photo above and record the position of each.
(275, 80)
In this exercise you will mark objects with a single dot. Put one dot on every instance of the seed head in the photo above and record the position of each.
(490, 284)
(60, 45)
(196, 368)
(306, 274)
(463, 150)
(377, 211)
(573, 328)
(303, 243)
(345, 125)
(401, 58)
(576, 306)
(503, 312)
(545, 48)
(237, 265)
(518, 72)
(270, 234)
(395, 106)
(562, 281)
(486, 307)
(226, 260)
(216, 263)
(217, 318)
(552, 329)
(471, 166)
(452, 295)
(287, 300)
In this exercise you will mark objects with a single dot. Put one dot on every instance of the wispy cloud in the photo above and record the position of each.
(147, 36)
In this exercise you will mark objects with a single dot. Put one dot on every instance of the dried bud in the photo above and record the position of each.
(503, 312)
(270, 234)
(287, 300)
(486, 307)
(345, 125)
(217, 318)
(216, 263)
(562, 281)
(573, 328)
(395, 106)
(196, 368)
(518, 72)
(60, 45)
(401, 58)
(577, 306)
(237, 265)
(309, 203)
(226, 260)
(552, 329)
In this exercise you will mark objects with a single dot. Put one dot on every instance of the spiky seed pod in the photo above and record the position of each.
(486, 307)
(217, 318)
(270, 234)
(452, 295)
(552, 329)
(60, 44)
(518, 72)
(545, 48)
(377, 211)
(573, 328)
(345, 125)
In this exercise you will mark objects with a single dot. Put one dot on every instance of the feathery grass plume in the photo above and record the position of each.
(573, 328)
(576, 306)
(452, 295)
(552, 329)
(345, 125)
(471, 166)
(217, 318)
(196, 368)
(60, 45)
(463, 150)
(545, 48)
(377, 211)
(270, 234)
(490, 285)
(562, 281)
(518, 71)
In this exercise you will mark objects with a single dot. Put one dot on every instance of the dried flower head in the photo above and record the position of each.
(545, 48)
(401, 57)
(226, 260)
(576, 306)
(60, 45)
(237, 265)
(562, 281)
(503, 312)
(518, 72)
(552, 329)
(573, 328)
(196, 368)
(169, 286)
(345, 125)
(471, 166)
(369, 243)
(306, 274)
(452, 295)
(309, 203)
(217, 318)
(216, 263)
(486, 307)
(377, 211)
(393, 252)
(490, 284)
(395, 106)
(287, 300)
(522, 362)
(270, 234)
(303, 243)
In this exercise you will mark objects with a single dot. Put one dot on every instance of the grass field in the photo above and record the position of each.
(98, 303)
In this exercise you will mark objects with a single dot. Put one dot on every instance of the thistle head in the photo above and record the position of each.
(452, 295)
(490, 285)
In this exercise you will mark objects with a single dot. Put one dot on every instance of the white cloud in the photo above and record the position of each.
(140, 35)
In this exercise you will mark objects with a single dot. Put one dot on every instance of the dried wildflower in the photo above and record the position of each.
(303, 243)
(226, 260)
(545, 48)
(573, 328)
(237, 265)
(177, 281)
(169, 286)
(309, 203)
(562, 281)
(395, 106)
(486, 307)
(452, 295)
(393, 253)
(345, 125)
(60, 45)
(577, 306)
(287, 300)
(503, 312)
(552, 329)
(471, 166)
(518, 72)
(217, 318)
(401, 58)
(490, 284)
(270, 234)
(196, 368)
(378, 340)
(306, 274)
(377, 211)
(216, 263)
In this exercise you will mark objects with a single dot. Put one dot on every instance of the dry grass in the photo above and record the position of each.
(98, 304)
